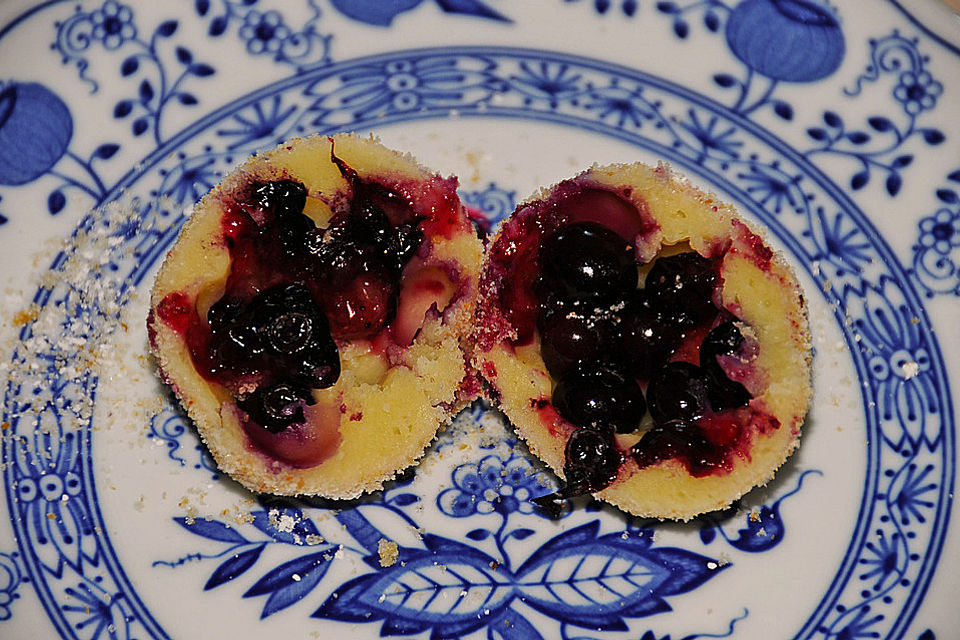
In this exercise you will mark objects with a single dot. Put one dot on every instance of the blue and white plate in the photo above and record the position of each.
(838, 128)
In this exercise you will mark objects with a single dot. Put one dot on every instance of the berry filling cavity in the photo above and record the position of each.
(635, 346)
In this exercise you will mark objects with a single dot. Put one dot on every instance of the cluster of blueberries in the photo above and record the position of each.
(338, 282)
(602, 338)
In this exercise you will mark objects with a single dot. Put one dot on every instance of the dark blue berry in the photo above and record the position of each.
(678, 391)
(588, 261)
(677, 439)
(277, 406)
(647, 341)
(724, 393)
(597, 395)
(679, 288)
(572, 338)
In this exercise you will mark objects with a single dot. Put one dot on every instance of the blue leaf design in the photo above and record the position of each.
(880, 123)
(211, 529)
(187, 99)
(234, 567)
(145, 91)
(471, 8)
(711, 21)
(106, 151)
(140, 125)
(902, 161)
(129, 66)
(448, 587)
(860, 180)
(478, 534)
(202, 70)
(404, 499)
(955, 176)
(817, 133)
(217, 26)
(708, 534)
(668, 7)
(681, 28)
(832, 119)
(122, 109)
(783, 110)
(288, 525)
(927, 635)
(522, 534)
(56, 202)
(167, 28)
(933, 136)
(948, 195)
(285, 589)
(724, 80)
(184, 55)
(894, 182)
(614, 576)
(202, 6)
(858, 137)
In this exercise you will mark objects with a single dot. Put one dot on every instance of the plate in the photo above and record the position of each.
(832, 127)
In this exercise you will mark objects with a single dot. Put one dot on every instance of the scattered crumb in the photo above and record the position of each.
(389, 552)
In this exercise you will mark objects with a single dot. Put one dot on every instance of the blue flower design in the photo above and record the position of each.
(113, 24)
(712, 137)
(493, 485)
(941, 231)
(885, 559)
(374, 11)
(791, 40)
(402, 86)
(550, 81)
(264, 32)
(191, 179)
(35, 129)
(260, 123)
(621, 105)
(489, 206)
(917, 91)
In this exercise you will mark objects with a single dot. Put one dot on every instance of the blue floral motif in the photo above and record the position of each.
(936, 255)
(941, 231)
(401, 86)
(628, 7)
(168, 427)
(453, 589)
(713, 138)
(192, 178)
(917, 91)
(113, 24)
(493, 485)
(267, 33)
(259, 125)
(11, 577)
(621, 106)
(550, 81)
(35, 131)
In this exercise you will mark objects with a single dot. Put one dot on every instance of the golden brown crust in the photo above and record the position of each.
(388, 414)
(766, 297)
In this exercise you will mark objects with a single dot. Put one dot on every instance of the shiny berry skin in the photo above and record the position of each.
(678, 391)
(598, 396)
(588, 261)
(678, 439)
(280, 197)
(277, 406)
(591, 461)
(724, 393)
(568, 339)
(290, 332)
(647, 342)
(679, 288)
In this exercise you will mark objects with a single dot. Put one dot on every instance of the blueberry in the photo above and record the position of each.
(678, 390)
(599, 396)
(588, 261)
(680, 288)
(676, 439)
(290, 332)
(591, 463)
(646, 340)
(277, 406)
(280, 197)
(724, 393)
(572, 338)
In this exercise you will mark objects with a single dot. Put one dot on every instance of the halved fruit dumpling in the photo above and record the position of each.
(313, 316)
(648, 345)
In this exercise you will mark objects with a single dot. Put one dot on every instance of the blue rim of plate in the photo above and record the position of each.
(894, 505)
